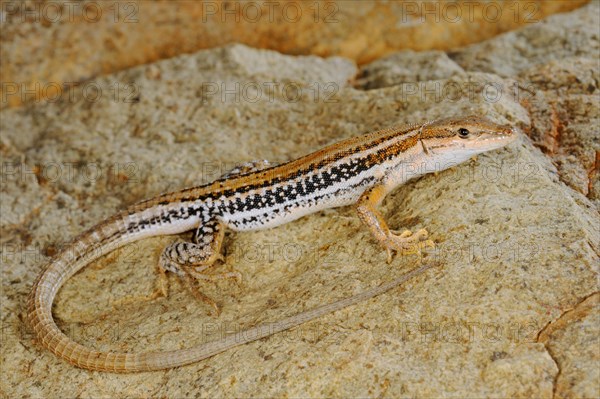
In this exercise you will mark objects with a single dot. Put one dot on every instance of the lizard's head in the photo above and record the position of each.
(464, 137)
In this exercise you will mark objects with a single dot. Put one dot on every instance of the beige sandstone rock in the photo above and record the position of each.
(507, 311)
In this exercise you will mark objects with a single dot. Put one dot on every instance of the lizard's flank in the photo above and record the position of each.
(358, 171)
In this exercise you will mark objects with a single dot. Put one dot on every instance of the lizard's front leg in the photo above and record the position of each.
(189, 260)
(405, 243)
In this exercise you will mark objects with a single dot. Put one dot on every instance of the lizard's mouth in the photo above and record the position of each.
(501, 138)
(425, 150)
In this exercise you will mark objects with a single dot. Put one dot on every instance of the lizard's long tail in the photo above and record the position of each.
(108, 236)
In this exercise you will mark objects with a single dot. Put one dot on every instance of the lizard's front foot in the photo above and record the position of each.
(406, 243)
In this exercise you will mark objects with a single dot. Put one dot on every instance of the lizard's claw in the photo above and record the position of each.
(237, 276)
(195, 273)
(189, 281)
(405, 233)
(406, 243)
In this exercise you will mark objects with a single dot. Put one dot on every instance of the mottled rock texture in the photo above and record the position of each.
(509, 310)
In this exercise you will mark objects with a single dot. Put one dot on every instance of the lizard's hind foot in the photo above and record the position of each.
(190, 260)
(190, 263)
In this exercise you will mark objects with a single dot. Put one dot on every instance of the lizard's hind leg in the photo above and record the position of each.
(189, 260)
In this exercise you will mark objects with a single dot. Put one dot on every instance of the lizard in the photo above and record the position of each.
(357, 171)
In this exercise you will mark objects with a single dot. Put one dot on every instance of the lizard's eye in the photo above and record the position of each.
(463, 133)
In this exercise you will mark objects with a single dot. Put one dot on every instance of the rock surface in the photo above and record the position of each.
(557, 66)
(510, 310)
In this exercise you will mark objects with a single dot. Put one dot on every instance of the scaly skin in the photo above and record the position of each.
(360, 170)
